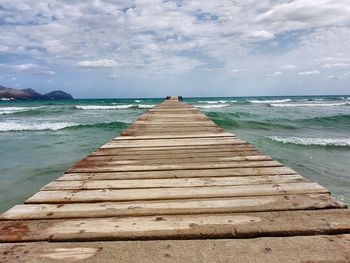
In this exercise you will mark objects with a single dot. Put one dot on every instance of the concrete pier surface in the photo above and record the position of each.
(175, 187)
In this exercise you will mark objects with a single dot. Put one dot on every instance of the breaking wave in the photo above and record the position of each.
(213, 106)
(104, 125)
(270, 101)
(145, 106)
(213, 101)
(114, 107)
(308, 104)
(43, 126)
(340, 142)
(13, 126)
(10, 110)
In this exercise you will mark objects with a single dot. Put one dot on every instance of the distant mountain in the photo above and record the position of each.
(58, 95)
(30, 94)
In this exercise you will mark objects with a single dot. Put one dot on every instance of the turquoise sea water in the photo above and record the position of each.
(40, 139)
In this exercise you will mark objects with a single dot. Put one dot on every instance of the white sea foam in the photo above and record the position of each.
(270, 101)
(103, 107)
(9, 110)
(211, 106)
(145, 106)
(213, 101)
(137, 101)
(344, 142)
(15, 126)
(114, 107)
(308, 104)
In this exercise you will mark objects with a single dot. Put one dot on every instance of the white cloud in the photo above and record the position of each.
(112, 76)
(7, 77)
(277, 73)
(239, 70)
(336, 65)
(302, 14)
(289, 67)
(313, 72)
(261, 35)
(25, 67)
(100, 63)
(3, 48)
(28, 67)
(332, 77)
(46, 72)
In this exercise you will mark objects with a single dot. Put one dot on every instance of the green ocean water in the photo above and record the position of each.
(41, 139)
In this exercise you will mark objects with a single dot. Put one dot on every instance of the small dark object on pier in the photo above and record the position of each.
(167, 98)
(180, 98)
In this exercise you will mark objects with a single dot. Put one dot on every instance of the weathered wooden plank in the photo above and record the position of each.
(144, 132)
(184, 166)
(227, 139)
(150, 137)
(322, 248)
(179, 125)
(173, 111)
(174, 130)
(173, 207)
(70, 196)
(175, 149)
(163, 145)
(246, 171)
(171, 142)
(186, 131)
(172, 183)
(90, 162)
(137, 133)
(171, 114)
(170, 155)
(234, 225)
(173, 121)
(163, 117)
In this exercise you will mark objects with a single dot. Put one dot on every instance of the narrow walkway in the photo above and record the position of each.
(176, 188)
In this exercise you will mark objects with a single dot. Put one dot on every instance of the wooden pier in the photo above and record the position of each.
(175, 187)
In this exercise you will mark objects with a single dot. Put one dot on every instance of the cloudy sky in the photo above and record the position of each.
(152, 48)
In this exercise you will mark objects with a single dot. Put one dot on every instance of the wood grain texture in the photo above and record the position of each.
(303, 249)
(234, 225)
(173, 207)
(198, 173)
(172, 183)
(70, 196)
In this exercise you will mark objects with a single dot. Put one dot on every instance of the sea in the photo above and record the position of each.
(39, 140)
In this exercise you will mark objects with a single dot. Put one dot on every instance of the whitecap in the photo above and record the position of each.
(15, 126)
(344, 142)
(270, 101)
(10, 110)
(145, 106)
(103, 107)
(211, 106)
(213, 101)
(308, 104)
(137, 101)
